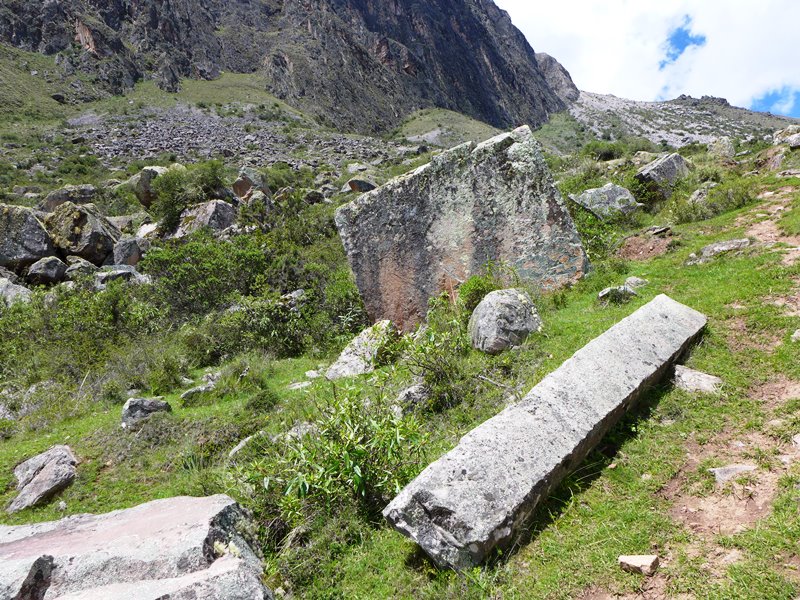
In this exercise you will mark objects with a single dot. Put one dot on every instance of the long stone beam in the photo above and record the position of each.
(476, 497)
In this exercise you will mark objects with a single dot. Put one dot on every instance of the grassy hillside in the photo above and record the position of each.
(216, 307)
(444, 128)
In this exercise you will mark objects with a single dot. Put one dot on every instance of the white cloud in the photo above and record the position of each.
(615, 46)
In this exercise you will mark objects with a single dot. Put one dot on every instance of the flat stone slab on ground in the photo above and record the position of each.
(168, 546)
(479, 495)
(723, 475)
(690, 380)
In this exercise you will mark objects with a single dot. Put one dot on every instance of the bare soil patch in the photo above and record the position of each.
(643, 247)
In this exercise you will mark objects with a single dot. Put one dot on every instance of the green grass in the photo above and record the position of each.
(451, 128)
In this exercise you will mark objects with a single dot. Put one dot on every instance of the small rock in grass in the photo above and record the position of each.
(313, 374)
(138, 409)
(796, 441)
(636, 282)
(617, 295)
(644, 564)
(299, 385)
(503, 320)
(796, 336)
(690, 380)
(41, 477)
(725, 474)
(717, 248)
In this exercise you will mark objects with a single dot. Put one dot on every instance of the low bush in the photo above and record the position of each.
(178, 189)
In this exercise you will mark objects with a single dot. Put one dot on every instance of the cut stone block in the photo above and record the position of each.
(477, 496)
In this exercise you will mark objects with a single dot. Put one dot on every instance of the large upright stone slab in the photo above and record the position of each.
(172, 548)
(476, 497)
(426, 231)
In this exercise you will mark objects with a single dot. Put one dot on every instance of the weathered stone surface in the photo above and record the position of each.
(608, 202)
(137, 409)
(79, 267)
(636, 282)
(105, 275)
(784, 135)
(643, 564)
(77, 194)
(477, 496)
(796, 336)
(23, 238)
(414, 396)
(177, 548)
(11, 292)
(82, 231)
(250, 181)
(700, 196)
(722, 147)
(690, 380)
(360, 185)
(216, 214)
(43, 476)
(142, 184)
(360, 355)
(46, 271)
(424, 232)
(723, 475)
(717, 248)
(129, 250)
(503, 320)
(662, 174)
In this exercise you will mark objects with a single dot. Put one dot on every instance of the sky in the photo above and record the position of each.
(747, 51)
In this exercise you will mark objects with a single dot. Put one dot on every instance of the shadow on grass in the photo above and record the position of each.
(574, 484)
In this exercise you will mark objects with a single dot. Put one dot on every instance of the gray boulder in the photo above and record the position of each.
(608, 202)
(23, 237)
(787, 136)
(177, 548)
(360, 185)
(82, 231)
(661, 175)
(129, 250)
(717, 248)
(47, 271)
(722, 147)
(10, 293)
(41, 477)
(360, 355)
(480, 495)
(138, 409)
(250, 181)
(77, 194)
(414, 396)
(105, 275)
(142, 184)
(690, 380)
(10, 275)
(424, 232)
(503, 320)
(217, 215)
(78, 267)
(617, 295)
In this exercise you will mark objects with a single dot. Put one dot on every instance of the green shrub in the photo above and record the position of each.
(178, 189)
(603, 150)
(729, 195)
(360, 450)
(474, 289)
(437, 355)
(199, 275)
(282, 175)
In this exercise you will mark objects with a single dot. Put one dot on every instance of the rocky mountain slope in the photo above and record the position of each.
(355, 64)
(678, 122)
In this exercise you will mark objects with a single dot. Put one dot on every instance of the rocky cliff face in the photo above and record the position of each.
(356, 64)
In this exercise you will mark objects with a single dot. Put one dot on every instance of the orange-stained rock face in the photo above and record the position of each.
(421, 234)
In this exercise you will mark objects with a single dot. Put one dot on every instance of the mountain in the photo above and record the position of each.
(359, 65)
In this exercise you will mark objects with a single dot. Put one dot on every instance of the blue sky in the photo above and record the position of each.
(743, 50)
